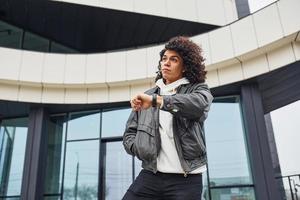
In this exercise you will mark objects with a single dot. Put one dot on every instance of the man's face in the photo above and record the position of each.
(171, 66)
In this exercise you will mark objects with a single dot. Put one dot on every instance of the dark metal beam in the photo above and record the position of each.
(258, 145)
(242, 7)
(35, 156)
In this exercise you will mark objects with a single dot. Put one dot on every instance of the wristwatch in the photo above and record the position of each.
(154, 100)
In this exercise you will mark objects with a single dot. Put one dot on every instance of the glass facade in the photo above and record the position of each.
(75, 150)
(228, 164)
(86, 158)
(14, 37)
(113, 122)
(118, 171)
(13, 135)
(81, 170)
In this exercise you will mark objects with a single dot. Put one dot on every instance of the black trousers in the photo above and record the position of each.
(165, 186)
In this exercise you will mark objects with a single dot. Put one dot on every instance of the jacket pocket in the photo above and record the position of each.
(192, 143)
(145, 143)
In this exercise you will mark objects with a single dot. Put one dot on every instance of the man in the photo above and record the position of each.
(165, 128)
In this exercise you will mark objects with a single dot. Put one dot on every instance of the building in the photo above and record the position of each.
(68, 69)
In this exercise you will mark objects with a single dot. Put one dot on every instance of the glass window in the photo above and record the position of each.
(137, 166)
(205, 189)
(114, 122)
(84, 125)
(226, 148)
(35, 42)
(52, 198)
(10, 36)
(13, 135)
(56, 137)
(118, 171)
(242, 193)
(58, 48)
(81, 170)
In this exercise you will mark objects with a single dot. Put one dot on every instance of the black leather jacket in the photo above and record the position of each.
(189, 107)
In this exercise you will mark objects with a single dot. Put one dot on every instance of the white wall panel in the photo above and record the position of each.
(243, 35)
(186, 10)
(30, 94)
(116, 66)
(10, 63)
(32, 66)
(281, 57)
(9, 92)
(126, 5)
(75, 69)
(255, 66)
(136, 64)
(153, 7)
(54, 68)
(230, 74)
(221, 44)
(119, 93)
(212, 78)
(85, 2)
(95, 68)
(211, 11)
(289, 15)
(98, 95)
(153, 59)
(76, 95)
(202, 41)
(230, 11)
(296, 47)
(53, 95)
(218, 12)
(136, 89)
(267, 25)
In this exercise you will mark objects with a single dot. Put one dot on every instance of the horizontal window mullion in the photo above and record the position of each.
(231, 186)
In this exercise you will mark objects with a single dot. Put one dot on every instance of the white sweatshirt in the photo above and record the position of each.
(168, 160)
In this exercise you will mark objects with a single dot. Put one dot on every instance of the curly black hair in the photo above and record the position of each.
(191, 54)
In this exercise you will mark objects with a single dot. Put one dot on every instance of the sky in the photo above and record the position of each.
(286, 122)
(257, 4)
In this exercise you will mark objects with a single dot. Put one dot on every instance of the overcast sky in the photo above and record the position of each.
(257, 4)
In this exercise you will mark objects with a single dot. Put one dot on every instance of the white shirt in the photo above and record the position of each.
(168, 160)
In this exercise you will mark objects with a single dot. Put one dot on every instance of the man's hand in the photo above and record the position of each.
(141, 101)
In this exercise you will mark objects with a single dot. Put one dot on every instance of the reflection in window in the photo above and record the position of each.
(51, 198)
(205, 189)
(137, 166)
(244, 193)
(226, 149)
(35, 42)
(13, 135)
(58, 48)
(84, 125)
(10, 36)
(81, 170)
(113, 122)
(56, 137)
(118, 171)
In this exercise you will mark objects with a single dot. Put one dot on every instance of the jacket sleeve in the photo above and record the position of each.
(193, 105)
(130, 133)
